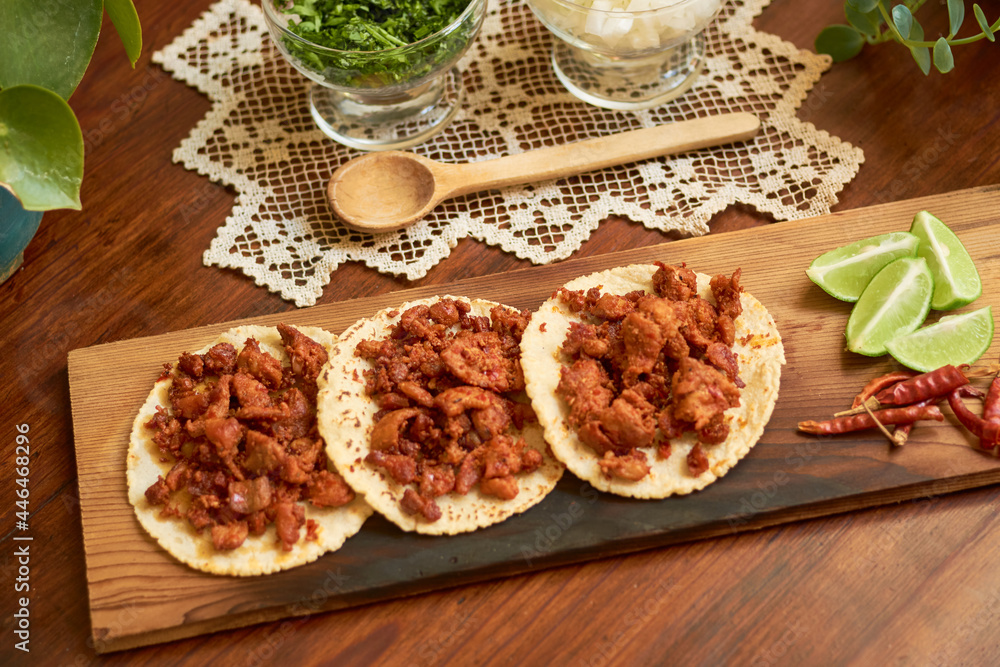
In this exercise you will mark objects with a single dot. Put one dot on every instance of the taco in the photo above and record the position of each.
(226, 469)
(423, 412)
(651, 380)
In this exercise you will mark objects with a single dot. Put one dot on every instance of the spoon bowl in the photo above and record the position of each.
(386, 191)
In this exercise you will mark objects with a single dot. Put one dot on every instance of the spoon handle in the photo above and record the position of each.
(592, 154)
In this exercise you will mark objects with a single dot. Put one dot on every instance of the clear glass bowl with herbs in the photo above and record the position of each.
(627, 54)
(385, 71)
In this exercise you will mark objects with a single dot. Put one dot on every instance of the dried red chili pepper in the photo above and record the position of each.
(881, 382)
(939, 382)
(901, 415)
(986, 431)
(991, 409)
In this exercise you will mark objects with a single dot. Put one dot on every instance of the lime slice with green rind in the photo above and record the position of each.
(895, 302)
(845, 272)
(956, 280)
(954, 339)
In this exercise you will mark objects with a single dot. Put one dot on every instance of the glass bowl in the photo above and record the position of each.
(627, 54)
(381, 100)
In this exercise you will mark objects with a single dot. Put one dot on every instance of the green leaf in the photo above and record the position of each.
(48, 43)
(41, 148)
(864, 23)
(944, 61)
(840, 42)
(863, 6)
(903, 20)
(126, 22)
(921, 54)
(956, 14)
(983, 23)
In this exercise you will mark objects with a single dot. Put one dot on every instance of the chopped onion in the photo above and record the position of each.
(619, 25)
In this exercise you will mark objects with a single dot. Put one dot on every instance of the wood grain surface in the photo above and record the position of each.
(908, 583)
(788, 476)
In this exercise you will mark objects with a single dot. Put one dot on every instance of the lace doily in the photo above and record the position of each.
(259, 138)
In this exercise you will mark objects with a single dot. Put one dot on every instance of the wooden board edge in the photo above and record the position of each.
(72, 366)
(765, 519)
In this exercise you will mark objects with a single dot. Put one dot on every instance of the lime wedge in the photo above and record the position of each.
(845, 272)
(956, 281)
(954, 339)
(895, 302)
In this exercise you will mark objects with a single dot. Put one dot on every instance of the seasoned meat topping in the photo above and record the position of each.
(242, 432)
(307, 356)
(443, 380)
(643, 369)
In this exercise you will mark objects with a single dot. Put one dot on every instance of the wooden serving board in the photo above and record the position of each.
(139, 595)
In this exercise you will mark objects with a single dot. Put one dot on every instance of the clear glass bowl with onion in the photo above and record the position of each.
(627, 54)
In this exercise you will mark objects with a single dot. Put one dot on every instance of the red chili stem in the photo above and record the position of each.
(901, 434)
(878, 384)
(988, 432)
(881, 427)
(858, 422)
(969, 391)
(939, 382)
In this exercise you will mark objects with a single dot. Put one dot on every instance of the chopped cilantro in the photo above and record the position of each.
(373, 25)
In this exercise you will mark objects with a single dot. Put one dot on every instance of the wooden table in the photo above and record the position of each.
(910, 584)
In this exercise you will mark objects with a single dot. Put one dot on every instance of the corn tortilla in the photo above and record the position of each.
(260, 554)
(346, 419)
(759, 350)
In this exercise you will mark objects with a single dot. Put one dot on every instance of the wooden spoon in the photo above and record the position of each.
(384, 191)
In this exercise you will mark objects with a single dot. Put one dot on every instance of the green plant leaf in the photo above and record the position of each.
(956, 14)
(840, 42)
(126, 22)
(921, 54)
(983, 23)
(41, 148)
(865, 23)
(49, 42)
(863, 6)
(903, 20)
(944, 61)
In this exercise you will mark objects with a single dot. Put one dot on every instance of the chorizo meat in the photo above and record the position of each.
(241, 429)
(643, 369)
(444, 381)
